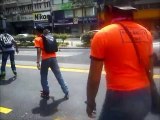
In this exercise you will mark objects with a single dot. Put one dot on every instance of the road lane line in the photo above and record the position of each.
(62, 69)
(5, 110)
(156, 76)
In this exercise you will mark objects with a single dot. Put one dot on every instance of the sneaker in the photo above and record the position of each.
(44, 95)
(15, 73)
(66, 96)
(2, 76)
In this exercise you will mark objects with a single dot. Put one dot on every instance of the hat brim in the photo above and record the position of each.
(125, 7)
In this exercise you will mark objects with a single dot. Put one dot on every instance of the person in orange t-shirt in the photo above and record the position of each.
(127, 84)
(48, 61)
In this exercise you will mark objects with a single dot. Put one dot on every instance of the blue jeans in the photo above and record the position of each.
(123, 105)
(5, 56)
(53, 64)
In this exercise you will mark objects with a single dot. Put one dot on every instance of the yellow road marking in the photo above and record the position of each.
(156, 76)
(62, 69)
(57, 119)
(5, 110)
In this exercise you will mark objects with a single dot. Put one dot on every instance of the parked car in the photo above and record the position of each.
(156, 51)
(23, 35)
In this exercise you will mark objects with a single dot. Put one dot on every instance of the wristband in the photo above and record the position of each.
(37, 62)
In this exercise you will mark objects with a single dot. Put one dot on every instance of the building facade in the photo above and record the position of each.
(75, 16)
(22, 15)
(61, 16)
(149, 15)
(69, 16)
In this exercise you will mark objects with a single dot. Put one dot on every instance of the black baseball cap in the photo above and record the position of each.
(39, 28)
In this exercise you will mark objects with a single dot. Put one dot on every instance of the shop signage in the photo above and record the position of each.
(41, 16)
(64, 21)
(87, 20)
(75, 21)
(26, 17)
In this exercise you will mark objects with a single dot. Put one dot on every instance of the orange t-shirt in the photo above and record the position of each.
(38, 43)
(123, 69)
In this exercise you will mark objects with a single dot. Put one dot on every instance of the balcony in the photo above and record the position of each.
(10, 2)
(40, 1)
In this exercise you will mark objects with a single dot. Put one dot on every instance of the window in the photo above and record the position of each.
(40, 5)
(65, 1)
(78, 12)
(57, 1)
(48, 4)
(90, 11)
(45, 5)
(29, 7)
(59, 14)
(35, 6)
(68, 13)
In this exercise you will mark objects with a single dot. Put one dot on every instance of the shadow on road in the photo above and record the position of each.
(6, 82)
(46, 109)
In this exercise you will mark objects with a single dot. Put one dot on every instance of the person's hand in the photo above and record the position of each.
(17, 51)
(38, 66)
(91, 109)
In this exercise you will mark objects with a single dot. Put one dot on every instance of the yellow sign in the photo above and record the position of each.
(147, 14)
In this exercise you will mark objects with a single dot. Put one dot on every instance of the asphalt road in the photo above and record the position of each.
(21, 96)
(73, 56)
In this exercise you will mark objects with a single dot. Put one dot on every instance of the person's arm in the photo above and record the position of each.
(150, 71)
(93, 84)
(16, 46)
(38, 57)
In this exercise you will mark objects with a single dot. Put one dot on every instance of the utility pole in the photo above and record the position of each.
(51, 14)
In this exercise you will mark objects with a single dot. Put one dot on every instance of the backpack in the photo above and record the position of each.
(6, 40)
(50, 44)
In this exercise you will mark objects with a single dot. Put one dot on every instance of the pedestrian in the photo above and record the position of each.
(8, 47)
(127, 82)
(48, 61)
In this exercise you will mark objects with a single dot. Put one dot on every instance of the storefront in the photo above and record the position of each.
(25, 23)
(75, 25)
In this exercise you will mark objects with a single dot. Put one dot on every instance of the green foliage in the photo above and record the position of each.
(87, 37)
(27, 40)
(61, 36)
(25, 44)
